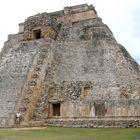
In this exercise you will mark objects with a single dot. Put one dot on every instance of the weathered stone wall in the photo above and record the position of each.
(85, 30)
(78, 16)
(16, 60)
(78, 9)
(93, 123)
(43, 22)
(66, 80)
(78, 13)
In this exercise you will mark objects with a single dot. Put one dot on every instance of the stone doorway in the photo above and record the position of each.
(37, 34)
(100, 109)
(56, 109)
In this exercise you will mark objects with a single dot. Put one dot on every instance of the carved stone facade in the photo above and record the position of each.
(39, 26)
(66, 69)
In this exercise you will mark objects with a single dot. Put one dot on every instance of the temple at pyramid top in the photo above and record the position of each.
(47, 24)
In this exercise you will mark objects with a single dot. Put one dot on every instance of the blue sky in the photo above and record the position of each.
(122, 17)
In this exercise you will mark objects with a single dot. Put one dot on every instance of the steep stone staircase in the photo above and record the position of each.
(34, 86)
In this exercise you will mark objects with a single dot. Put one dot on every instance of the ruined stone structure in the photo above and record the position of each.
(66, 69)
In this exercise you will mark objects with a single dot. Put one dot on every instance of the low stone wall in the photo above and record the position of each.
(94, 123)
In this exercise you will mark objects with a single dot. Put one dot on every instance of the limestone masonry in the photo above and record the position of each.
(66, 69)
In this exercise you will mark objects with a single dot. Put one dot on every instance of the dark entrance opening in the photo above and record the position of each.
(37, 34)
(56, 109)
(87, 91)
(100, 109)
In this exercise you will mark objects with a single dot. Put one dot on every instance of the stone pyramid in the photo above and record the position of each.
(66, 69)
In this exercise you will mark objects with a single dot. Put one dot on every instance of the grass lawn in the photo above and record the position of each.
(59, 133)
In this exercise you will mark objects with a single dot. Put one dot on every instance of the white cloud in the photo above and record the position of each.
(122, 17)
